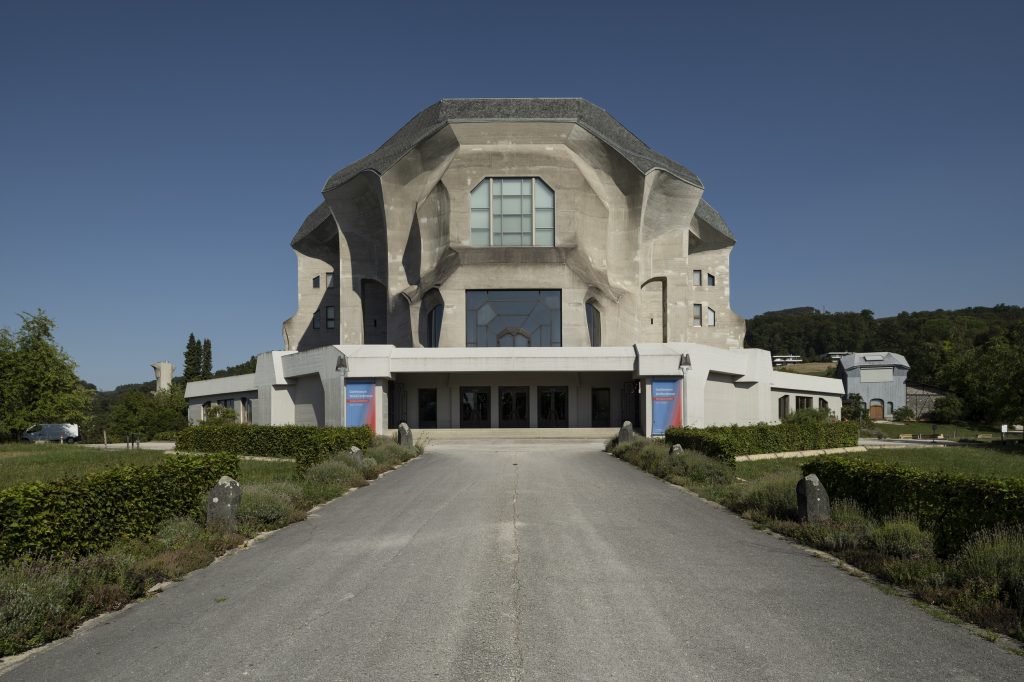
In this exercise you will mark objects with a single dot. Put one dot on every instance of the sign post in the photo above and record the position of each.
(361, 404)
(666, 405)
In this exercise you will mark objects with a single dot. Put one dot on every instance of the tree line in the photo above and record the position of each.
(975, 353)
(39, 384)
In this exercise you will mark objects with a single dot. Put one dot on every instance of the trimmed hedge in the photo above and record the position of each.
(953, 506)
(75, 516)
(307, 444)
(728, 442)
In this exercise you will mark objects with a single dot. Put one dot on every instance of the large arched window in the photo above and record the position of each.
(512, 212)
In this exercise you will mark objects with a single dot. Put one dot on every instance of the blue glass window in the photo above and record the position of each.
(513, 317)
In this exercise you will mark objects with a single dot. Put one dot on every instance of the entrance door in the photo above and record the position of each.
(601, 407)
(427, 401)
(514, 406)
(876, 412)
(553, 407)
(475, 407)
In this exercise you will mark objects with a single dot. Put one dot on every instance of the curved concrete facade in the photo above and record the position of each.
(628, 237)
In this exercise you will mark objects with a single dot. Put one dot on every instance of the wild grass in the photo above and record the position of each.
(28, 463)
(983, 583)
(42, 600)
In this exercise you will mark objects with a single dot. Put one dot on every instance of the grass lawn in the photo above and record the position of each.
(27, 463)
(960, 460)
(949, 431)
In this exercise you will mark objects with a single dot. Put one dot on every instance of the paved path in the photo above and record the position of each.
(541, 561)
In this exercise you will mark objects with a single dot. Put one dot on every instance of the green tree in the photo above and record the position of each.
(854, 409)
(37, 379)
(193, 359)
(206, 369)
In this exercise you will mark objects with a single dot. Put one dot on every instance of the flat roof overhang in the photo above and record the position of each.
(461, 360)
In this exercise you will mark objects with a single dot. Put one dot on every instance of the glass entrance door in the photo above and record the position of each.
(553, 407)
(427, 408)
(601, 407)
(514, 406)
(475, 407)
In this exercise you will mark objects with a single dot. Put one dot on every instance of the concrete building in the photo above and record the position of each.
(879, 378)
(514, 263)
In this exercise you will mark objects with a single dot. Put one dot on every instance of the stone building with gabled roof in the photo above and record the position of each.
(515, 262)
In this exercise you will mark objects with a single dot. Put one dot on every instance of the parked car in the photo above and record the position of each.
(55, 433)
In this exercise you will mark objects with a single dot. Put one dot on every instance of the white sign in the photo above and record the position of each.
(1004, 428)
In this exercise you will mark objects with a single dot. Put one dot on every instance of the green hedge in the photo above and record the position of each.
(307, 444)
(728, 442)
(75, 516)
(953, 506)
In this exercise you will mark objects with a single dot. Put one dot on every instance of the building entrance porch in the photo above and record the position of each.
(511, 400)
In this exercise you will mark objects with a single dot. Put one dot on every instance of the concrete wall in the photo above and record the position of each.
(615, 229)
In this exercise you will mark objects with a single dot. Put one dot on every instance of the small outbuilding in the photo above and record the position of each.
(879, 378)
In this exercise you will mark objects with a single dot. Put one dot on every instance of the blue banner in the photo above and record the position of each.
(666, 405)
(360, 404)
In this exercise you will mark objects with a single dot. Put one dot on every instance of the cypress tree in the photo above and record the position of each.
(193, 359)
(206, 370)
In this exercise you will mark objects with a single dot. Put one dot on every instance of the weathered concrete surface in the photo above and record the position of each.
(525, 560)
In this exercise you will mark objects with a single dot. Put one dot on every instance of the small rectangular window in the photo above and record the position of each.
(698, 315)
(316, 282)
(331, 317)
(804, 403)
(330, 280)
(711, 317)
(696, 278)
(316, 319)
(711, 280)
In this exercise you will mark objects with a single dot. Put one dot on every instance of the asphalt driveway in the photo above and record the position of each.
(536, 560)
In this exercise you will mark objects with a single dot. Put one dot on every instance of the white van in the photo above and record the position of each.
(53, 433)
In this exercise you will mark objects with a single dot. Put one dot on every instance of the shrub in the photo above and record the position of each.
(903, 414)
(334, 472)
(387, 452)
(264, 507)
(810, 415)
(952, 506)
(75, 516)
(771, 496)
(728, 442)
(900, 536)
(700, 468)
(307, 444)
(994, 560)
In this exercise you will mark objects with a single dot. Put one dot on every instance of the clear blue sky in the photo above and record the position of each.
(156, 158)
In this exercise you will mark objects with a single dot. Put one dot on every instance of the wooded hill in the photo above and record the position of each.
(978, 353)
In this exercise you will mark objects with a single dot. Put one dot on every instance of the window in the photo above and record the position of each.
(330, 280)
(332, 318)
(594, 324)
(711, 317)
(434, 318)
(512, 212)
(783, 406)
(316, 319)
(710, 280)
(822, 404)
(696, 278)
(804, 403)
(513, 317)
(698, 314)
(316, 282)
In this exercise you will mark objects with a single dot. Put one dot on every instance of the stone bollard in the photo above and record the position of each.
(676, 450)
(356, 454)
(405, 436)
(812, 500)
(222, 505)
(625, 432)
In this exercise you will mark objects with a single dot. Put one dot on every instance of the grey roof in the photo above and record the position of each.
(879, 359)
(586, 114)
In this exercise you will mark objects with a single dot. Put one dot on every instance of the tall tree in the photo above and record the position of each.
(193, 359)
(206, 369)
(37, 378)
